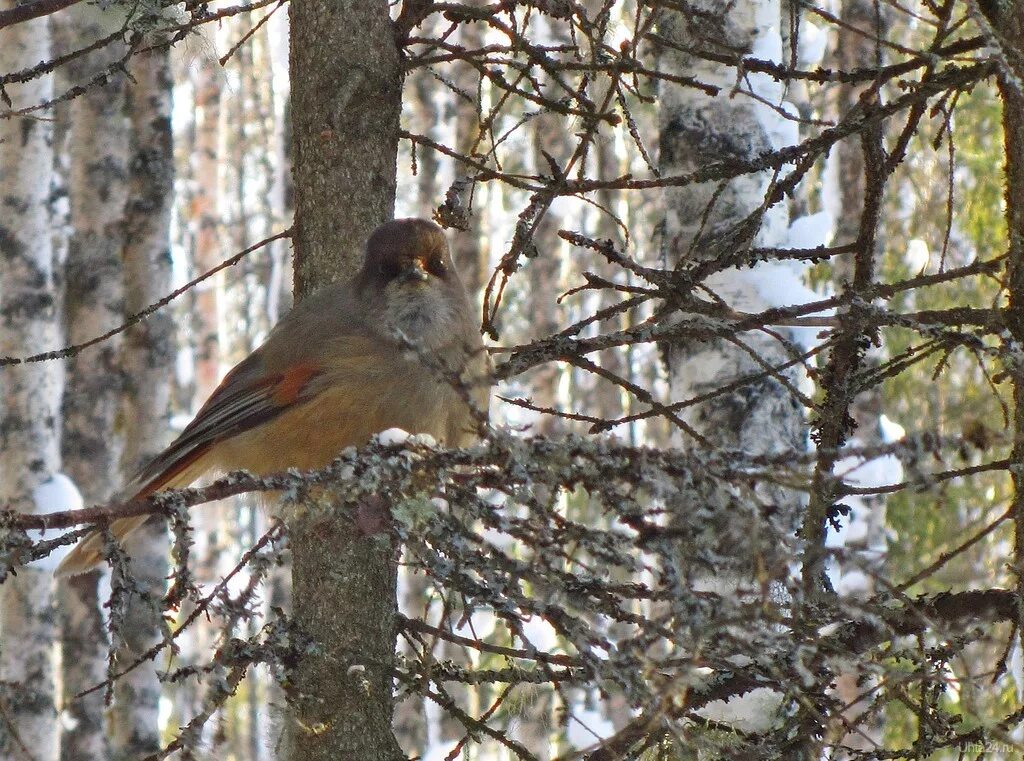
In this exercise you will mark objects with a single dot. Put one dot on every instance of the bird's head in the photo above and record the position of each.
(409, 272)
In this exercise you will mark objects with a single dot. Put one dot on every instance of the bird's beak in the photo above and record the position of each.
(415, 273)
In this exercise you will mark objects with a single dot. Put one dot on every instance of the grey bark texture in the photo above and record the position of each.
(29, 398)
(345, 102)
(97, 148)
(149, 370)
(346, 99)
(706, 220)
(732, 541)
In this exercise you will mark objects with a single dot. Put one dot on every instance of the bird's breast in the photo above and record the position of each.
(421, 313)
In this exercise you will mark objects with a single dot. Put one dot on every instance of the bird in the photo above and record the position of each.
(394, 347)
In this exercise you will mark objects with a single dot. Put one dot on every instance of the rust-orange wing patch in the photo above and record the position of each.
(290, 384)
(245, 399)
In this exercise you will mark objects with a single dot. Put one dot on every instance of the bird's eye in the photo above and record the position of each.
(389, 270)
(436, 266)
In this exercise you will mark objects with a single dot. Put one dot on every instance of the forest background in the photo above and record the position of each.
(751, 274)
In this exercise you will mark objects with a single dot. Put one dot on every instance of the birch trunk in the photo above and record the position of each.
(346, 99)
(149, 370)
(204, 320)
(276, 731)
(279, 299)
(761, 417)
(264, 150)
(205, 214)
(29, 397)
(93, 304)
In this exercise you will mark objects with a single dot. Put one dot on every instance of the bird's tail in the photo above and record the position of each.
(182, 471)
(88, 553)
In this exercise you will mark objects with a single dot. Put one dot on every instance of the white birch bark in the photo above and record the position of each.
(29, 397)
(279, 299)
(761, 417)
(93, 304)
(149, 368)
(205, 321)
(264, 149)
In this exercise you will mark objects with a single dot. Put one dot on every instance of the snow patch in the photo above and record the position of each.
(891, 431)
(540, 634)
(57, 494)
(770, 284)
(396, 437)
(423, 440)
(860, 530)
(852, 582)
(881, 471)
(812, 230)
(1016, 668)
(393, 437)
(754, 711)
(782, 132)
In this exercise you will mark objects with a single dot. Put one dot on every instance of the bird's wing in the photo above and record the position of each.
(249, 395)
(278, 375)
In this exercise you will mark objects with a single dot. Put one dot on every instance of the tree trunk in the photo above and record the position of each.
(93, 304)
(1012, 26)
(345, 103)
(739, 531)
(149, 370)
(207, 249)
(761, 417)
(29, 397)
(346, 99)
(855, 51)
